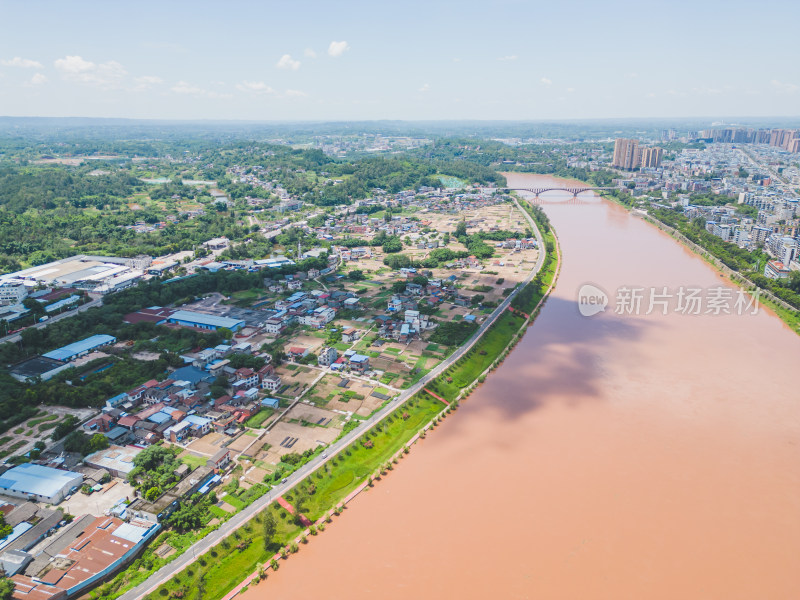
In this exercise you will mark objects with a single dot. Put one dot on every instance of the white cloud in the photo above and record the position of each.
(74, 64)
(781, 86)
(546, 81)
(37, 79)
(295, 94)
(425, 88)
(631, 75)
(183, 87)
(258, 87)
(287, 62)
(75, 68)
(456, 60)
(509, 57)
(570, 89)
(338, 48)
(23, 63)
(309, 53)
(145, 82)
(149, 79)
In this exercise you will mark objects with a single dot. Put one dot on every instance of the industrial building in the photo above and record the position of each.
(76, 349)
(154, 314)
(101, 274)
(117, 460)
(188, 318)
(38, 366)
(44, 484)
(31, 524)
(84, 553)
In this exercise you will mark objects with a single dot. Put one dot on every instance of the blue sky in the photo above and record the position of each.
(345, 60)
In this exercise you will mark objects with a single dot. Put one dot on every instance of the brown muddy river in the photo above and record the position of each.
(609, 457)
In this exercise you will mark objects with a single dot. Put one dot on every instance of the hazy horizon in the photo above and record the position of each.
(353, 60)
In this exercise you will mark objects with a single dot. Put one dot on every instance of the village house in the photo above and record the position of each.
(359, 363)
(245, 378)
(327, 356)
(297, 352)
(349, 335)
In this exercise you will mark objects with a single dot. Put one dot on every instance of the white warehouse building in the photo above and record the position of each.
(36, 482)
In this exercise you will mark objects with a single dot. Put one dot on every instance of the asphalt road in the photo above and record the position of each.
(168, 571)
(65, 315)
(758, 164)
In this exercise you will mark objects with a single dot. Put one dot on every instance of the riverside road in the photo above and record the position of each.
(168, 571)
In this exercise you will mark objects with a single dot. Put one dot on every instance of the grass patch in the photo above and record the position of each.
(218, 512)
(12, 448)
(257, 420)
(212, 576)
(35, 422)
(468, 368)
(193, 461)
(233, 501)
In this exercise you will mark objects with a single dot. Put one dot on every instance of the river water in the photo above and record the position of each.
(609, 457)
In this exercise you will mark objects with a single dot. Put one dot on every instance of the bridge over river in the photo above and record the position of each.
(574, 190)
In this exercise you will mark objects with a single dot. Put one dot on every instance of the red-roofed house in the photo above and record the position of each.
(128, 421)
(151, 410)
(222, 400)
(297, 352)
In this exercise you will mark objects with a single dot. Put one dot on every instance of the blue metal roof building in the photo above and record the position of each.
(191, 374)
(159, 417)
(202, 321)
(117, 400)
(76, 349)
(42, 483)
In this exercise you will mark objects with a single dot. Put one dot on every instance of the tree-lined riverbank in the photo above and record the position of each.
(319, 493)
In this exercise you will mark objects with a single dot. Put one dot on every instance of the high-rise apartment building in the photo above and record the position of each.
(650, 157)
(780, 138)
(626, 153)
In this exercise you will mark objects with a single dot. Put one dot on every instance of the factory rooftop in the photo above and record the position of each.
(42, 482)
(70, 351)
(204, 321)
(84, 553)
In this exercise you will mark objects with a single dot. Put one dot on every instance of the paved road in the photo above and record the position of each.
(168, 571)
(758, 164)
(65, 315)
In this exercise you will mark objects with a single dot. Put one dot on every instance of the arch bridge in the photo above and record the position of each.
(571, 190)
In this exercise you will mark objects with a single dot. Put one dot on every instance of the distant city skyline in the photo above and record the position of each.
(354, 60)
